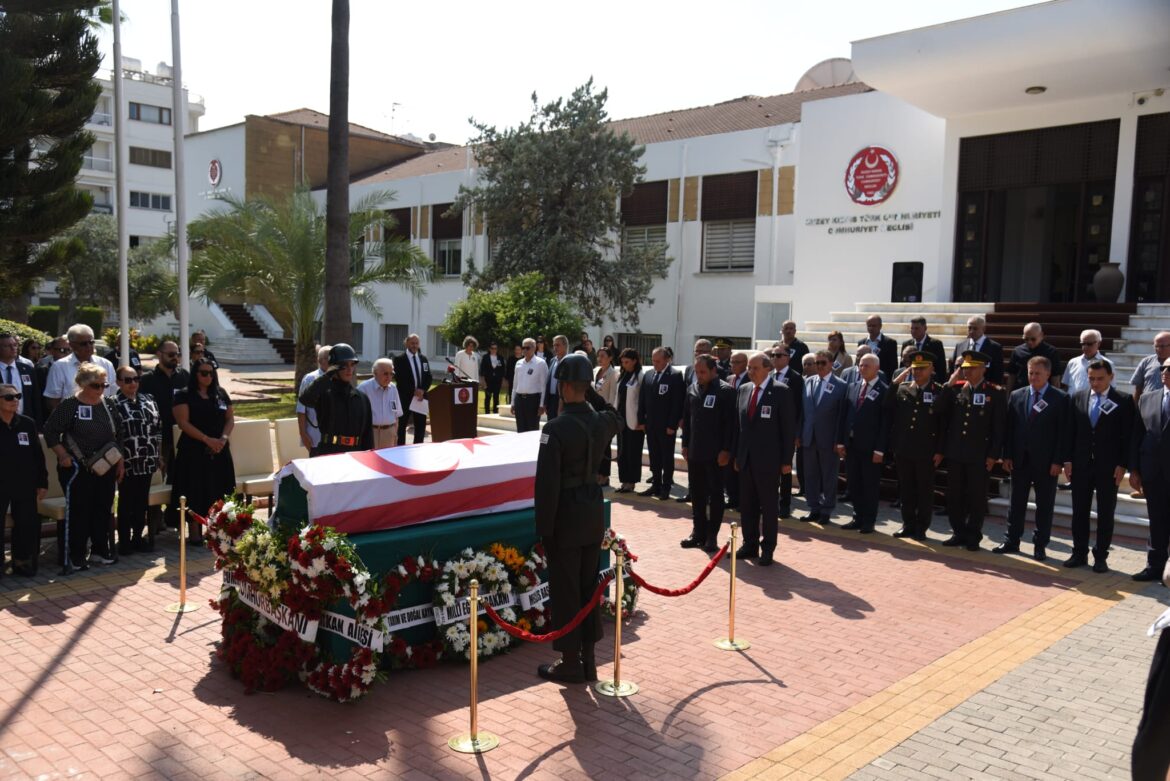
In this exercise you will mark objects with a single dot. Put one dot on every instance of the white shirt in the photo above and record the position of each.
(310, 414)
(531, 377)
(468, 365)
(60, 385)
(1076, 373)
(384, 402)
(20, 374)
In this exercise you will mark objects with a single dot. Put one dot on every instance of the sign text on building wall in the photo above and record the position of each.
(884, 222)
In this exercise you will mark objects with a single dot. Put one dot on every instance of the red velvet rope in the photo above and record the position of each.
(197, 517)
(678, 592)
(516, 631)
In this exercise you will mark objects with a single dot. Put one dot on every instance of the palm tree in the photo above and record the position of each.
(337, 319)
(273, 251)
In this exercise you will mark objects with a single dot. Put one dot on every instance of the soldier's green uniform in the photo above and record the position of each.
(916, 435)
(343, 414)
(974, 433)
(570, 519)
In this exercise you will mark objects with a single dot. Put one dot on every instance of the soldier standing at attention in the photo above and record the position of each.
(343, 414)
(570, 517)
(916, 438)
(972, 443)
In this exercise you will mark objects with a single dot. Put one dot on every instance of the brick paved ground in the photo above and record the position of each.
(870, 657)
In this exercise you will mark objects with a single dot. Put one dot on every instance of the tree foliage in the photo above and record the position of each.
(48, 58)
(521, 308)
(549, 190)
(272, 250)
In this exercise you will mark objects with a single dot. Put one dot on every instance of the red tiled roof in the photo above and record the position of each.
(310, 118)
(746, 113)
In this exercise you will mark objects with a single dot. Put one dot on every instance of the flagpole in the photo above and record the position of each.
(122, 198)
(179, 123)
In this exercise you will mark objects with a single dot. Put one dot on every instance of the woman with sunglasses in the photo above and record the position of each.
(81, 427)
(141, 442)
(23, 481)
(203, 471)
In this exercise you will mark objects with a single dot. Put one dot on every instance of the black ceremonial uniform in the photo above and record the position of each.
(23, 473)
(708, 429)
(974, 433)
(569, 513)
(916, 434)
(343, 415)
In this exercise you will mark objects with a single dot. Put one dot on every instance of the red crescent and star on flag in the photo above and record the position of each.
(411, 476)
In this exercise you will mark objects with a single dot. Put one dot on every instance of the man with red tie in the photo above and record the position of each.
(862, 439)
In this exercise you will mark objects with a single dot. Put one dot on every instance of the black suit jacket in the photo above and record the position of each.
(1105, 446)
(766, 439)
(1150, 444)
(404, 376)
(796, 352)
(866, 427)
(888, 355)
(30, 386)
(660, 404)
(795, 383)
(708, 424)
(991, 348)
(1043, 436)
(938, 355)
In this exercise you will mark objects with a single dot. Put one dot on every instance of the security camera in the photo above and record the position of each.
(1141, 101)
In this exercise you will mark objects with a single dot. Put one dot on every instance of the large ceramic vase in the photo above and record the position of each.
(1108, 282)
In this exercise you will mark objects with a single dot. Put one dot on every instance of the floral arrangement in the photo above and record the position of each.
(226, 523)
(530, 575)
(453, 585)
(345, 681)
(263, 559)
(613, 542)
(324, 567)
(261, 654)
(404, 655)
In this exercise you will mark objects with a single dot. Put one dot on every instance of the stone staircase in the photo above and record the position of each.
(945, 322)
(253, 345)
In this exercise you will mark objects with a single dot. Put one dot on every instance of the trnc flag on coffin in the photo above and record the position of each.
(401, 486)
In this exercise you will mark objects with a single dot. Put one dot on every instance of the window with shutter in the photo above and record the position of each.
(635, 237)
(729, 245)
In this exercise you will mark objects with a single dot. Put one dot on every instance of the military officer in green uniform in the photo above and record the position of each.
(343, 414)
(972, 443)
(918, 410)
(570, 516)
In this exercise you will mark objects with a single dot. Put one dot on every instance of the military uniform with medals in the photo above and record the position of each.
(916, 436)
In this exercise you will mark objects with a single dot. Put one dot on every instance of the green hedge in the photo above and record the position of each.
(24, 332)
(44, 318)
(91, 316)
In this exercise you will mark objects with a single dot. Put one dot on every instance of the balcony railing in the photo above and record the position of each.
(101, 118)
(97, 163)
(103, 208)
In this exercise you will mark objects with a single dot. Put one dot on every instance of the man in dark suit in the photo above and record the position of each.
(21, 373)
(1098, 453)
(1016, 373)
(973, 442)
(784, 373)
(979, 342)
(917, 412)
(702, 347)
(861, 441)
(708, 435)
(412, 373)
(796, 348)
(885, 348)
(824, 401)
(1033, 454)
(766, 413)
(660, 410)
(737, 376)
(1149, 470)
(552, 400)
(923, 342)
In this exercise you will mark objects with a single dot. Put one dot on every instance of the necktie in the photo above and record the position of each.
(1095, 410)
(861, 394)
(417, 370)
(818, 388)
(1165, 408)
(752, 402)
(1031, 405)
(8, 379)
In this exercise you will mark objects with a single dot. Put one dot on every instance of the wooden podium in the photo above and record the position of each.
(454, 411)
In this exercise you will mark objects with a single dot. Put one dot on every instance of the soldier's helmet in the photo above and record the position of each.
(574, 368)
(340, 354)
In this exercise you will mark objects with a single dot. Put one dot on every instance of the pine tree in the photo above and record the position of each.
(48, 58)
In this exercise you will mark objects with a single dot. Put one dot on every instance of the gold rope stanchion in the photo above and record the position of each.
(617, 687)
(182, 605)
(474, 741)
(729, 643)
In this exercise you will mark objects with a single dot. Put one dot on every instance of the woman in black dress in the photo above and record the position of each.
(204, 471)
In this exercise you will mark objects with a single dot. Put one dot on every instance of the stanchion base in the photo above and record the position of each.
(479, 744)
(727, 644)
(181, 607)
(615, 688)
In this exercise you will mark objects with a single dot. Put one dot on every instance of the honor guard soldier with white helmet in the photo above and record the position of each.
(972, 444)
(916, 439)
(570, 517)
(343, 414)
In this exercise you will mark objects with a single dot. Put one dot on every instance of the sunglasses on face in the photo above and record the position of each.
(97, 385)
(1088, 344)
(127, 380)
(822, 363)
(11, 396)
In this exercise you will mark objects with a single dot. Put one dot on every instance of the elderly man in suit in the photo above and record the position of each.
(979, 342)
(20, 373)
(708, 437)
(1033, 454)
(660, 410)
(782, 372)
(885, 348)
(861, 441)
(921, 341)
(1098, 454)
(766, 414)
(1149, 470)
(824, 401)
(414, 378)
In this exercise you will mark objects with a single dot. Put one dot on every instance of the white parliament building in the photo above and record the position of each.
(951, 169)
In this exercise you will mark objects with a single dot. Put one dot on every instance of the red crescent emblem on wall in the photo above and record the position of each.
(871, 176)
(446, 463)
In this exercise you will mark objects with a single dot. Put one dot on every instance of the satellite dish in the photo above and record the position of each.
(432, 136)
(832, 72)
